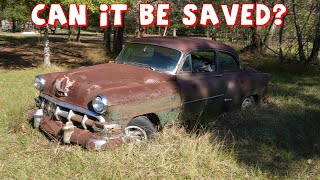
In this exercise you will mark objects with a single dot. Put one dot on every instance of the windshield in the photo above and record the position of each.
(151, 56)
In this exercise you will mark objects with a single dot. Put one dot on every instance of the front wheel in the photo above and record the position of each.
(145, 128)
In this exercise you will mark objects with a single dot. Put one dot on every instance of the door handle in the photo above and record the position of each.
(218, 75)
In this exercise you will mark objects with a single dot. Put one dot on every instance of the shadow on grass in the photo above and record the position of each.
(14, 61)
(270, 138)
(274, 138)
(21, 52)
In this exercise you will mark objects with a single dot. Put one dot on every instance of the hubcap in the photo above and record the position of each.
(247, 102)
(135, 134)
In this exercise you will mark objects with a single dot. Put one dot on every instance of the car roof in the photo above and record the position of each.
(186, 44)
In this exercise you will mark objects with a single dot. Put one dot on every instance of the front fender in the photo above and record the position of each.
(158, 98)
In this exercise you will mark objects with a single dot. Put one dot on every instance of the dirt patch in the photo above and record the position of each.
(25, 51)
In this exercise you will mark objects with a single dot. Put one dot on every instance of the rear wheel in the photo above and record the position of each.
(247, 103)
(146, 129)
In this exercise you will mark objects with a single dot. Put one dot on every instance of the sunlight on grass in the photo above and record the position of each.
(175, 153)
(17, 96)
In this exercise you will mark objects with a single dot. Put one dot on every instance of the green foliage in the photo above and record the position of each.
(16, 12)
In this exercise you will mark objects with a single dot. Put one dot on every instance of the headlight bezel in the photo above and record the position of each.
(39, 82)
(103, 101)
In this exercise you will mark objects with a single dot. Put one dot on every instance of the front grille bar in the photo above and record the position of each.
(83, 122)
(71, 113)
(72, 116)
(71, 109)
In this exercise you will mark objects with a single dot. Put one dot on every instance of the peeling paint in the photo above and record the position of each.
(63, 85)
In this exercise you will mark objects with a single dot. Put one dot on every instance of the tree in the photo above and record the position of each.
(16, 12)
(316, 40)
(118, 33)
(298, 33)
(315, 35)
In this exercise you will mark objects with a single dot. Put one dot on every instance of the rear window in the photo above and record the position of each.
(227, 61)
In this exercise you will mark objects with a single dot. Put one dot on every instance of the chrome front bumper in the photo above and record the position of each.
(61, 120)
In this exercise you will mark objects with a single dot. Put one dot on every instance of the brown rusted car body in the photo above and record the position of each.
(65, 102)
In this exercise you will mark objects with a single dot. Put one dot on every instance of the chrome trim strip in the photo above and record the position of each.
(212, 97)
(74, 108)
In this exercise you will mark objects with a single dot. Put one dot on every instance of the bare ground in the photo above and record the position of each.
(23, 52)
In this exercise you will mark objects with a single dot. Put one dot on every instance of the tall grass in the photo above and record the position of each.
(277, 139)
(26, 153)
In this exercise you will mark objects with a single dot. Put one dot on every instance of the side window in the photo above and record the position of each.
(227, 61)
(187, 65)
(203, 61)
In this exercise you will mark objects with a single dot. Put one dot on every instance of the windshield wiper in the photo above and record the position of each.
(142, 65)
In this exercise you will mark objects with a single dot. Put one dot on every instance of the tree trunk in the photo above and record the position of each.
(114, 39)
(119, 38)
(255, 37)
(208, 33)
(271, 31)
(165, 31)
(141, 32)
(174, 32)
(69, 33)
(255, 44)
(268, 38)
(302, 56)
(46, 58)
(316, 40)
(107, 40)
(14, 27)
(138, 32)
(78, 34)
(281, 57)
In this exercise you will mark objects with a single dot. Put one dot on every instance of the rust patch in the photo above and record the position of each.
(50, 127)
(80, 136)
(63, 85)
(94, 87)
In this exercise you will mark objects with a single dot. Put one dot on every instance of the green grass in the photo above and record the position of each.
(277, 140)
(26, 153)
(282, 135)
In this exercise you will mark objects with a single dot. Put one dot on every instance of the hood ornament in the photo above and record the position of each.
(63, 85)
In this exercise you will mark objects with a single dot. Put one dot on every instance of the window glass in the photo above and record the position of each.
(203, 61)
(145, 55)
(226, 61)
(187, 65)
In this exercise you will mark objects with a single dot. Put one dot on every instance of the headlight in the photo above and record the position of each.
(39, 83)
(100, 104)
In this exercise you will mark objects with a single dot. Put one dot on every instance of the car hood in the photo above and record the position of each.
(113, 80)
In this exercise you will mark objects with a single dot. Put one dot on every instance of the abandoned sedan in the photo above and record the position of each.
(152, 82)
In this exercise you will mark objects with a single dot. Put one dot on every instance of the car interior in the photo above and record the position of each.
(200, 61)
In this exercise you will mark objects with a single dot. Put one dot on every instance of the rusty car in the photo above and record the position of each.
(153, 82)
